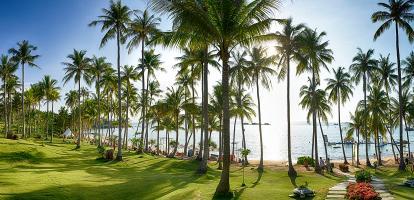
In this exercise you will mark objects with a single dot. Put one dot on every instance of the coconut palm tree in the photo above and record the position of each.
(49, 86)
(313, 54)
(109, 83)
(408, 70)
(288, 47)
(340, 90)
(71, 100)
(387, 80)
(7, 70)
(115, 21)
(152, 63)
(260, 66)
(54, 97)
(203, 23)
(128, 74)
(23, 54)
(97, 69)
(141, 30)
(363, 67)
(174, 98)
(245, 110)
(399, 12)
(77, 69)
(355, 126)
(377, 101)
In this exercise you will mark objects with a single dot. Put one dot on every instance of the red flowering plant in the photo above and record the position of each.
(361, 191)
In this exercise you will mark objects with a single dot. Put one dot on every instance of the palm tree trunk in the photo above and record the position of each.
(23, 114)
(324, 145)
(397, 45)
(51, 133)
(260, 167)
(368, 163)
(220, 158)
(234, 137)
(158, 137)
(200, 152)
(340, 127)
(291, 172)
(192, 115)
(379, 149)
(80, 118)
(186, 129)
(143, 92)
(119, 154)
(148, 100)
(224, 185)
(203, 165)
(408, 138)
(317, 167)
(98, 92)
(246, 162)
(357, 156)
(5, 108)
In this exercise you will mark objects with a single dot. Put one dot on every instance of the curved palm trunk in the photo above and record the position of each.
(340, 127)
(291, 172)
(23, 113)
(119, 154)
(368, 163)
(203, 165)
(324, 145)
(224, 185)
(397, 45)
(378, 148)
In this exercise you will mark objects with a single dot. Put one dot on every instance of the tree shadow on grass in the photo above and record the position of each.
(259, 177)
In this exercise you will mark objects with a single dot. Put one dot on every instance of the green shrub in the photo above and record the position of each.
(363, 176)
(306, 160)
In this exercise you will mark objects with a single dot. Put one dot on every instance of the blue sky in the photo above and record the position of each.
(59, 26)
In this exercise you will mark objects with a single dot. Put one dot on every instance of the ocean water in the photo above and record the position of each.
(275, 141)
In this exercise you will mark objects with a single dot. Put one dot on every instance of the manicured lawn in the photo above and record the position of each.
(32, 170)
(393, 180)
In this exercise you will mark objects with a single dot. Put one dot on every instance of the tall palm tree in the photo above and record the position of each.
(54, 97)
(141, 31)
(377, 101)
(174, 99)
(288, 47)
(128, 74)
(355, 126)
(399, 12)
(313, 54)
(23, 54)
(49, 86)
(115, 21)
(388, 80)
(340, 89)
(77, 69)
(363, 67)
(152, 63)
(97, 69)
(7, 70)
(260, 66)
(198, 22)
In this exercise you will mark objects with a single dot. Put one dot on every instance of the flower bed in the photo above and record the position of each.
(361, 191)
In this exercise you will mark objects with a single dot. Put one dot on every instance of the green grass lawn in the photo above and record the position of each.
(393, 180)
(32, 170)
